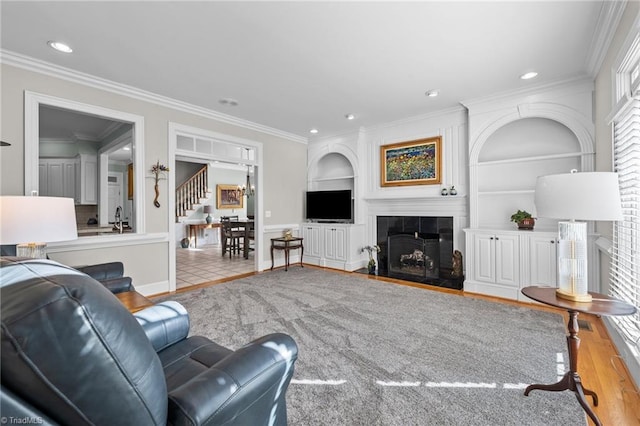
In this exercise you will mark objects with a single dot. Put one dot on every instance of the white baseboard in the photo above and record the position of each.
(631, 359)
(153, 288)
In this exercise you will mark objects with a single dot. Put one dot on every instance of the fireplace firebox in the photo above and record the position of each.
(418, 249)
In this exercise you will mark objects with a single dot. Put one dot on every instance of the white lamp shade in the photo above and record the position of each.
(37, 219)
(579, 196)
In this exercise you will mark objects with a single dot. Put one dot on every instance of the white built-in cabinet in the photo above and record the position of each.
(75, 178)
(512, 141)
(501, 262)
(333, 245)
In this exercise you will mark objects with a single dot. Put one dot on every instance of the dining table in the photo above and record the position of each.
(248, 226)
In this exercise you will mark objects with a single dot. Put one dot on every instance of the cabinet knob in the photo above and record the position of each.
(491, 238)
(552, 241)
(497, 238)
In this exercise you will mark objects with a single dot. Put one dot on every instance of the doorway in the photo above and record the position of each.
(228, 159)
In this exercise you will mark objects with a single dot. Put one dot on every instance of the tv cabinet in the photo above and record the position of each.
(334, 245)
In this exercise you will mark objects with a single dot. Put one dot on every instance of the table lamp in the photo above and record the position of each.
(31, 222)
(576, 196)
(207, 209)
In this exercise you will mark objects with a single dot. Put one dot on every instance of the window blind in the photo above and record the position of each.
(625, 262)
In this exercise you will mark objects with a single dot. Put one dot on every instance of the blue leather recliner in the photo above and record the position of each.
(72, 354)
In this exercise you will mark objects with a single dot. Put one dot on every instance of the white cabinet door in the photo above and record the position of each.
(484, 265)
(69, 179)
(507, 262)
(87, 179)
(542, 260)
(335, 243)
(56, 177)
(312, 241)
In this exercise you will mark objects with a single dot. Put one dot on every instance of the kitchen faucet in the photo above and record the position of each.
(118, 223)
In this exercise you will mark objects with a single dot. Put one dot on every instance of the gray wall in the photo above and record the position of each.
(284, 164)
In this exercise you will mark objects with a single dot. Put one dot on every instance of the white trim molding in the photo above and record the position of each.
(31, 64)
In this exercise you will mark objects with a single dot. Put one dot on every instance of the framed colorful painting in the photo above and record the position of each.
(416, 162)
(228, 197)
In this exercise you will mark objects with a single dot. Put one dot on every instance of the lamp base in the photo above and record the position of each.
(33, 250)
(573, 297)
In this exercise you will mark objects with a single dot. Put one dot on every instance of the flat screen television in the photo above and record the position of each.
(329, 206)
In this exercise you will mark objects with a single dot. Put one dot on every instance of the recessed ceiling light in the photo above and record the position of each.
(314, 131)
(528, 75)
(60, 47)
(350, 116)
(432, 93)
(228, 102)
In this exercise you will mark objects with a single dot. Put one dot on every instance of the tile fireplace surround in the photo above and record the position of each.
(432, 218)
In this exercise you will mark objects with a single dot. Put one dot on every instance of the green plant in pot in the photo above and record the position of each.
(523, 219)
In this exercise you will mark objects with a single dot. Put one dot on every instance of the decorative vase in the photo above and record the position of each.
(453, 190)
(444, 191)
(209, 219)
(372, 268)
(184, 243)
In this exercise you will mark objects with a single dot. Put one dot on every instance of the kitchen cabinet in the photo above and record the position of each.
(87, 179)
(333, 245)
(57, 177)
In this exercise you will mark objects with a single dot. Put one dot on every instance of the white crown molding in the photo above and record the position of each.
(608, 20)
(416, 118)
(557, 86)
(35, 65)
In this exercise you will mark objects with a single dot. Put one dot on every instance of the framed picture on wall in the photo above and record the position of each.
(228, 197)
(416, 162)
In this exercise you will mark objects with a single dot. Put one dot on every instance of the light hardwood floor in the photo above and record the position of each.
(599, 364)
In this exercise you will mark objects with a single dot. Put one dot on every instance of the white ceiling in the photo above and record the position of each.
(293, 66)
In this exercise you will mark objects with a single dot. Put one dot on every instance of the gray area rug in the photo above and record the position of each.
(375, 353)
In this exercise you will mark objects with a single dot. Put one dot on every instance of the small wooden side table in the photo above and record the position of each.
(133, 301)
(600, 305)
(195, 227)
(287, 244)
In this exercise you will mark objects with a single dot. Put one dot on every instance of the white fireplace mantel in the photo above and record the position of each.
(449, 205)
(455, 206)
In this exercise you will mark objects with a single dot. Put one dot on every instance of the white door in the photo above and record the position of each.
(114, 194)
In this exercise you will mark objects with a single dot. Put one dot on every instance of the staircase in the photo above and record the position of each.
(191, 194)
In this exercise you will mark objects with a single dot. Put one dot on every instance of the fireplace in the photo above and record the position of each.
(418, 249)
(414, 254)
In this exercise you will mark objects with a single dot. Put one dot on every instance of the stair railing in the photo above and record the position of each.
(191, 191)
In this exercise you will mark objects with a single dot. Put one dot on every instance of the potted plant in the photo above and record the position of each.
(372, 262)
(523, 219)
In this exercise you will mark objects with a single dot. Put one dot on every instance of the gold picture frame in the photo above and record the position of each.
(417, 162)
(228, 197)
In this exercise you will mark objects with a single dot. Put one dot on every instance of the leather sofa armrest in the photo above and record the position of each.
(164, 324)
(118, 285)
(258, 372)
(103, 271)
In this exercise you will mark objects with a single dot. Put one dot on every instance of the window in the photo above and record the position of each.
(625, 259)
(625, 264)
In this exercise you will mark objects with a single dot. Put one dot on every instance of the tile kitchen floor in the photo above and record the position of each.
(206, 264)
